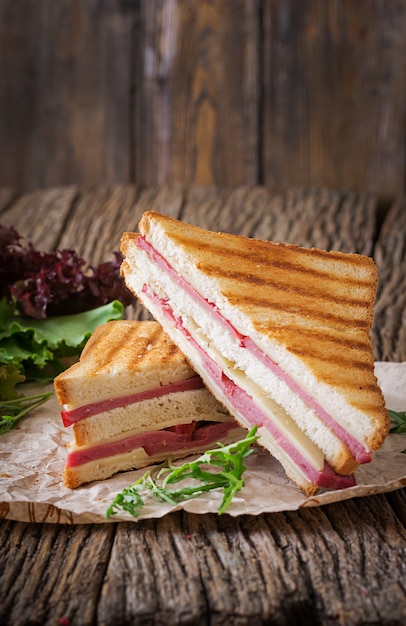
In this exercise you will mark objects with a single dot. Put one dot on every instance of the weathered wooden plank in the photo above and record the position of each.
(355, 574)
(320, 218)
(97, 221)
(40, 215)
(389, 330)
(197, 92)
(164, 586)
(334, 84)
(7, 195)
(338, 564)
(51, 573)
(65, 92)
(247, 570)
(277, 92)
(187, 569)
(101, 215)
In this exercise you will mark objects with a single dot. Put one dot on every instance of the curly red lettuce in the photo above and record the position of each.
(43, 284)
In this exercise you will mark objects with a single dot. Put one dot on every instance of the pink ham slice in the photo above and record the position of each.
(95, 408)
(166, 441)
(356, 448)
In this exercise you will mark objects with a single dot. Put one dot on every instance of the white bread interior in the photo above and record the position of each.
(179, 407)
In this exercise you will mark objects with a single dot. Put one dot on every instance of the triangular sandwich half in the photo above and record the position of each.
(132, 400)
(280, 335)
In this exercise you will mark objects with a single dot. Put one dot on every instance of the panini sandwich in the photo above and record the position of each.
(132, 400)
(279, 333)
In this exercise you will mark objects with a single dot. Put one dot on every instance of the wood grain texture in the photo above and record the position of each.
(40, 215)
(342, 564)
(389, 330)
(333, 101)
(310, 218)
(64, 94)
(196, 96)
(52, 572)
(7, 195)
(205, 92)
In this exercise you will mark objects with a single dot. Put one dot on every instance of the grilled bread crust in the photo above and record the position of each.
(291, 470)
(121, 357)
(275, 281)
(344, 361)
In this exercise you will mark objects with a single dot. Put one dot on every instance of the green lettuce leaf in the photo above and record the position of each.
(31, 345)
(9, 378)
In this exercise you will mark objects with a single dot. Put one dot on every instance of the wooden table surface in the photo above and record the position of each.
(342, 563)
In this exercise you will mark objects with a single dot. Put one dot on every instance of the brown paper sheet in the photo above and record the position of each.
(32, 458)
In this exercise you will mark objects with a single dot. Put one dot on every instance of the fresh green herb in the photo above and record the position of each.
(221, 468)
(398, 420)
(11, 411)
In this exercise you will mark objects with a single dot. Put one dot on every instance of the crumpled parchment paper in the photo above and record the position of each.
(32, 457)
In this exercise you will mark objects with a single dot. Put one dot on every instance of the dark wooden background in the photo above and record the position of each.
(281, 93)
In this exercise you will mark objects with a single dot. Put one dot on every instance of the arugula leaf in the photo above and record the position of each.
(398, 419)
(220, 468)
(15, 409)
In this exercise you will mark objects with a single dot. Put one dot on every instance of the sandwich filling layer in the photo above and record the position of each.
(167, 441)
(78, 414)
(358, 449)
(305, 456)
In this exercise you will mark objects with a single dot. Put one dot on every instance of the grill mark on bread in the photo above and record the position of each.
(137, 348)
(303, 291)
(99, 346)
(322, 340)
(283, 267)
(272, 253)
(307, 352)
(223, 258)
(308, 313)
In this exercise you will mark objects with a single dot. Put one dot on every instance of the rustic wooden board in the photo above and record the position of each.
(338, 564)
(55, 571)
(41, 215)
(7, 195)
(334, 85)
(197, 93)
(390, 310)
(320, 218)
(238, 93)
(188, 569)
(65, 92)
